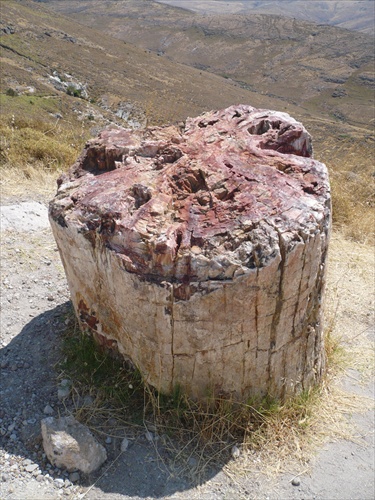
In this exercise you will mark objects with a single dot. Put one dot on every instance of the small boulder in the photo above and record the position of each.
(70, 445)
(64, 388)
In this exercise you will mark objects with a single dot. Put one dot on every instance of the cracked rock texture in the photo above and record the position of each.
(200, 252)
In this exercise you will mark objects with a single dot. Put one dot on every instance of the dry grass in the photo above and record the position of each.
(268, 434)
(46, 143)
(348, 153)
(33, 152)
(17, 184)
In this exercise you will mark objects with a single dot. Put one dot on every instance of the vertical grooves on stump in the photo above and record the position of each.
(172, 333)
(276, 315)
(202, 253)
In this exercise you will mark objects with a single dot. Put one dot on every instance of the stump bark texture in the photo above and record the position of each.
(200, 253)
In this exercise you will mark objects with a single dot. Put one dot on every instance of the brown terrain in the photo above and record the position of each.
(320, 69)
(350, 14)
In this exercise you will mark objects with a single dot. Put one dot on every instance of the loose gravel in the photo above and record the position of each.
(35, 311)
(34, 307)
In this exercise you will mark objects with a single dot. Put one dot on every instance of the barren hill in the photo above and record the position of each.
(350, 14)
(324, 70)
(38, 46)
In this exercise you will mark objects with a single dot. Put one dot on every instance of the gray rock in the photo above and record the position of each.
(31, 467)
(48, 410)
(235, 452)
(70, 445)
(63, 390)
(296, 481)
(74, 477)
(124, 444)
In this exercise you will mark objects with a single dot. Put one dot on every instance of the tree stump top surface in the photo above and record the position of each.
(207, 202)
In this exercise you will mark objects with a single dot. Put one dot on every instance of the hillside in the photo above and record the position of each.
(117, 76)
(321, 69)
(63, 81)
(351, 14)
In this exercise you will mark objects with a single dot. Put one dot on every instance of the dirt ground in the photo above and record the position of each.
(34, 313)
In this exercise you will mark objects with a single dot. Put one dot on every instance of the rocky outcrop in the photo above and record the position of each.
(200, 253)
(70, 445)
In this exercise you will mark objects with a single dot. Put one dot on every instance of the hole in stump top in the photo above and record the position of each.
(209, 202)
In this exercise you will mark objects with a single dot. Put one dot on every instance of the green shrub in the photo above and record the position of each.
(11, 92)
(73, 91)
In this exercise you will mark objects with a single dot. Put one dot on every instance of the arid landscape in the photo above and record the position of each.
(316, 67)
(351, 14)
(69, 69)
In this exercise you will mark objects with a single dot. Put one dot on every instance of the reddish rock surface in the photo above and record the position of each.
(201, 252)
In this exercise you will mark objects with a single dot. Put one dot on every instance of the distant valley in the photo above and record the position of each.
(320, 69)
(349, 14)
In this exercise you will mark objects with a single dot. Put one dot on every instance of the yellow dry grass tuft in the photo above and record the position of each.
(33, 152)
(349, 156)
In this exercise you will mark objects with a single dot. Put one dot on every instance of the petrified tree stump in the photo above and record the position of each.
(201, 253)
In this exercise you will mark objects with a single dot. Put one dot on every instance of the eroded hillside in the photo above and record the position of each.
(36, 43)
(351, 14)
(321, 69)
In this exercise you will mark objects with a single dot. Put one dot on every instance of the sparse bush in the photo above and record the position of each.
(74, 91)
(11, 92)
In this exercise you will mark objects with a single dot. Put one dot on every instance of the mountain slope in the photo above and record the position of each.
(321, 69)
(35, 43)
(349, 14)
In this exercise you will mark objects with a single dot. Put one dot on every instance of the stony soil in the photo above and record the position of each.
(35, 311)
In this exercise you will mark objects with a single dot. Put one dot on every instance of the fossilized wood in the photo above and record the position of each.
(201, 252)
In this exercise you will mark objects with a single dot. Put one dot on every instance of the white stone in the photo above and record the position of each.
(70, 445)
(124, 444)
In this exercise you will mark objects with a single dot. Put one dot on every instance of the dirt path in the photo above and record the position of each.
(34, 313)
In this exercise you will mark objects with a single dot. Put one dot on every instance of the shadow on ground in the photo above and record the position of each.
(29, 378)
